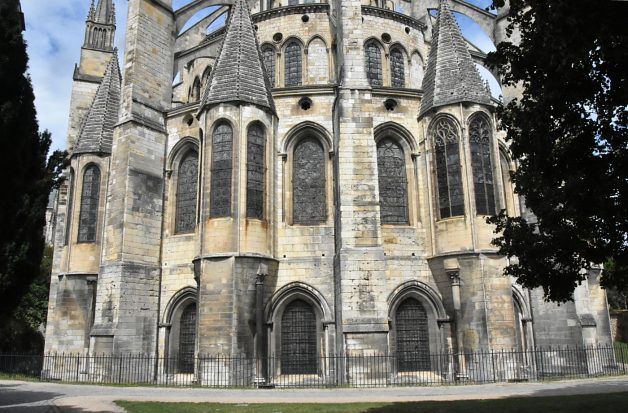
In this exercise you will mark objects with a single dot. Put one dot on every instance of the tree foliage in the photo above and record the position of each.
(568, 133)
(27, 176)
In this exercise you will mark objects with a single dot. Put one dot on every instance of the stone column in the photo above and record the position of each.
(453, 272)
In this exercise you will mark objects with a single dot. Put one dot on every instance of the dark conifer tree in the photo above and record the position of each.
(27, 176)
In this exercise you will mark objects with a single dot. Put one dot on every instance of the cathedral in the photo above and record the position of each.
(310, 180)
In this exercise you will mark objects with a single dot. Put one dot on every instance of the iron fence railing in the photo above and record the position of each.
(356, 370)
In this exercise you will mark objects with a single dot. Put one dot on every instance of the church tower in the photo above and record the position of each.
(457, 112)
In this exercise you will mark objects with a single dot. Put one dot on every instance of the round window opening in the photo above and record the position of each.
(277, 37)
(305, 103)
(390, 104)
(407, 30)
(386, 37)
(305, 18)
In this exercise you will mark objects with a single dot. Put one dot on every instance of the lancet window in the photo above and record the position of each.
(393, 182)
(397, 69)
(412, 331)
(448, 171)
(221, 171)
(480, 143)
(187, 182)
(90, 195)
(187, 339)
(373, 63)
(255, 171)
(293, 63)
(269, 55)
(308, 183)
(298, 339)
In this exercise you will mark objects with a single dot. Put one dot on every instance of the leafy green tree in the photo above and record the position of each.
(568, 132)
(27, 176)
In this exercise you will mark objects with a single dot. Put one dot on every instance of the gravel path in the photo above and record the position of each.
(36, 397)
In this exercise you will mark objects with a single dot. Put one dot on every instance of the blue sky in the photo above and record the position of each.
(54, 33)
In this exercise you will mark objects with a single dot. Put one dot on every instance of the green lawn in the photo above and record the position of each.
(599, 403)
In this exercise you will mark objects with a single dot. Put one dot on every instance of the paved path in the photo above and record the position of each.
(36, 397)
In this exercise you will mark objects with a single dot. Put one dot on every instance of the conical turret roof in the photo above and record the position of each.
(451, 75)
(96, 134)
(239, 74)
(105, 12)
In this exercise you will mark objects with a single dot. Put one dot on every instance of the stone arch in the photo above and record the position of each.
(399, 132)
(221, 181)
(374, 62)
(293, 60)
(523, 320)
(89, 203)
(178, 338)
(185, 13)
(430, 301)
(481, 141)
(317, 60)
(483, 18)
(297, 131)
(269, 56)
(184, 209)
(398, 63)
(417, 70)
(279, 303)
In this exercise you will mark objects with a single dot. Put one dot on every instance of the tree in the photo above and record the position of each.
(568, 132)
(27, 176)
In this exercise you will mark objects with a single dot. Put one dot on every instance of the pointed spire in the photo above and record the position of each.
(451, 75)
(103, 12)
(91, 15)
(96, 134)
(239, 74)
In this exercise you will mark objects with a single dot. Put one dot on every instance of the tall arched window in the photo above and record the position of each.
(412, 332)
(196, 90)
(293, 63)
(70, 206)
(480, 143)
(255, 168)
(269, 55)
(187, 182)
(298, 339)
(222, 165)
(90, 195)
(187, 339)
(448, 173)
(506, 183)
(308, 183)
(373, 63)
(205, 77)
(393, 182)
(397, 69)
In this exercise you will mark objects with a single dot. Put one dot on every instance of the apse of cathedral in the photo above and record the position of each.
(312, 179)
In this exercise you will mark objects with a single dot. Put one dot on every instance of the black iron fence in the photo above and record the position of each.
(356, 370)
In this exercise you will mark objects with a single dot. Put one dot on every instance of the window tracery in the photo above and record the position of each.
(308, 183)
(448, 170)
(373, 63)
(221, 171)
(397, 68)
(269, 56)
(481, 165)
(293, 64)
(187, 182)
(90, 195)
(255, 166)
(393, 182)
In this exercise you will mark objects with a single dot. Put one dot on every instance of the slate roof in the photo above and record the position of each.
(96, 134)
(451, 75)
(239, 74)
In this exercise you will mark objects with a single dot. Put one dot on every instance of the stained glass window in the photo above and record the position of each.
(298, 339)
(293, 64)
(255, 172)
(413, 344)
(393, 182)
(480, 142)
(397, 73)
(221, 171)
(187, 339)
(268, 53)
(373, 63)
(187, 182)
(449, 177)
(308, 183)
(90, 195)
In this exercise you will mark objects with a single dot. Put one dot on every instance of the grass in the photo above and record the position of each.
(591, 403)
(621, 351)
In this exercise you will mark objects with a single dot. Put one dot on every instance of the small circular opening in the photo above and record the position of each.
(390, 104)
(305, 18)
(188, 120)
(255, 27)
(277, 37)
(305, 103)
(407, 30)
(386, 37)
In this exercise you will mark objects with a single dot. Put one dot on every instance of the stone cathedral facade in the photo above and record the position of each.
(310, 180)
